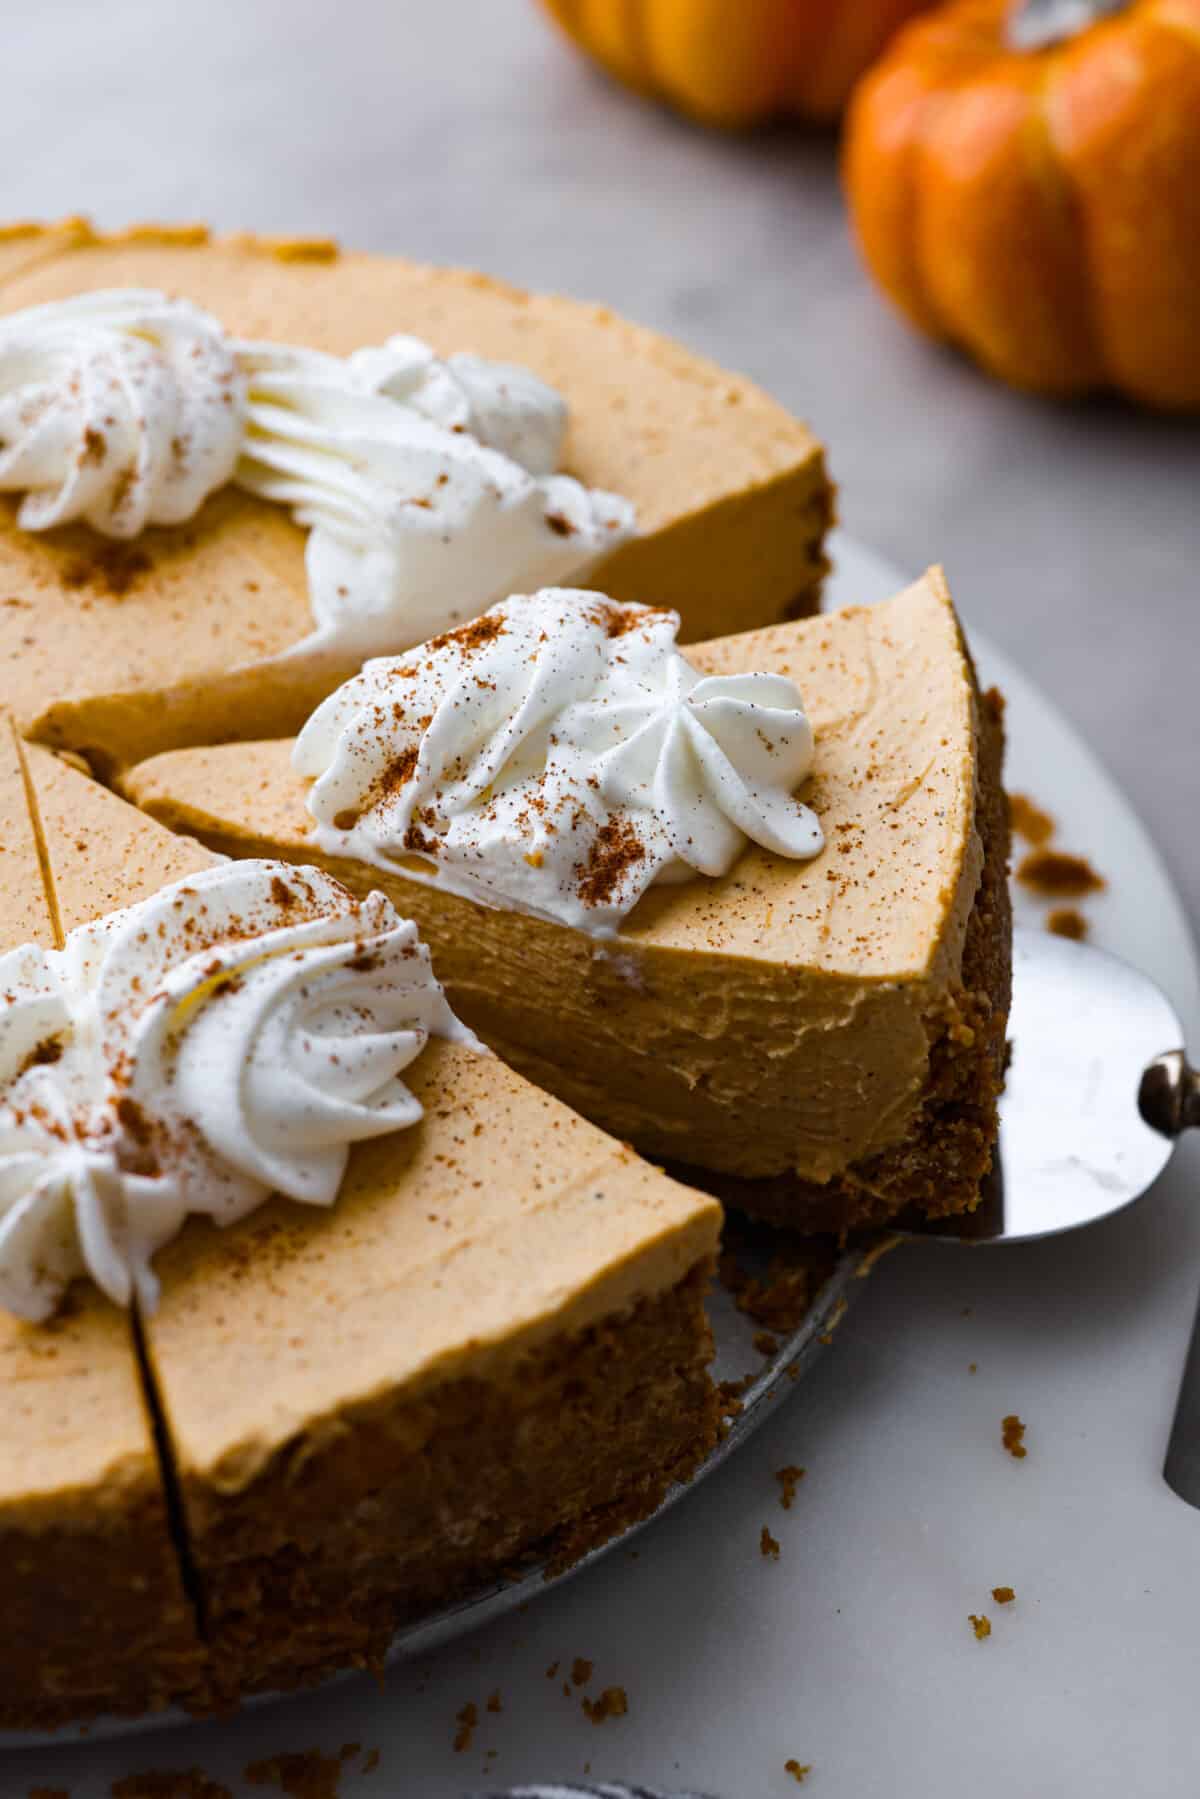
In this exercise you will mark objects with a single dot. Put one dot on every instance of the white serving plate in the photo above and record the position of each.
(852, 1652)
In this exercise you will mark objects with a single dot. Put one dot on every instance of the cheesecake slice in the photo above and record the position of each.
(96, 1612)
(492, 1346)
(177, 634)
(824, 1038)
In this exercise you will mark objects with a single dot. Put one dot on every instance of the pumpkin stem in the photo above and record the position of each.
(1035, 24)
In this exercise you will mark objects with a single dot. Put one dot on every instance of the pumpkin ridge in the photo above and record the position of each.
(1074, 219)
(1168, 15)
(640, 48)
(565, 13)
(932, 107)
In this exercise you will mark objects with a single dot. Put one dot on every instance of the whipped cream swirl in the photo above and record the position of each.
(229, 1038)
(424, 486)
(428, 486)
(557, 756)
(123, 408)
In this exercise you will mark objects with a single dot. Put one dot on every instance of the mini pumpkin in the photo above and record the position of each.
(1025, 182)
(733, 62)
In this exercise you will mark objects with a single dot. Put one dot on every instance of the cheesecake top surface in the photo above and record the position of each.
(498, 1221)
(889, 693)
(678, 437)
(314, 294)
(75, 1428)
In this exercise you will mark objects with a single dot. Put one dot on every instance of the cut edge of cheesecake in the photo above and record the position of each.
(513, 1395)
(732, 490)
(328, 1499)
(915, 992)
(98, 1610)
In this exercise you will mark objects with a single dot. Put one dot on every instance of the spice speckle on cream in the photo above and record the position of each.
(428, 486)
(558, 756)
(228, 1038)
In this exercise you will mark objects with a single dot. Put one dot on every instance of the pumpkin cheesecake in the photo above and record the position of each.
(169, 503)
(818, 1023)
(96, 1610)
(473, 1333)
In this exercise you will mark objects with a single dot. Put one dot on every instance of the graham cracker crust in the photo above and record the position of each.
(938, 1168)
(405, 1507)
(83, 1638)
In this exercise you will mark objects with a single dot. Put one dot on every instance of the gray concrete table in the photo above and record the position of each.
(463, 131)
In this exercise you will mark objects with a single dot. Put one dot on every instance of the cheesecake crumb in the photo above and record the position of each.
(799, 1771)
(766, 1344)
(883, 1247)
(1012, 1435)
(767, 1545)
(972, 1367)
(495, 1704)
(551, 1671)
(1003, 1595)
(303, 1773)
(581, 1671)
(780, 1301)
(466, 1719)
(1068, 921)
(612, 1703)
(1053, 874)
(981, 1625)
(1030, 821)
(160, 1783)
(789, 1479)
(730, 1393)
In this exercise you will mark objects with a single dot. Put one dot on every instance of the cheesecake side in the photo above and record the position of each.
(492, 1350)
(789, 1023)
(170, 631)
(493, 1346)
(98, 1619)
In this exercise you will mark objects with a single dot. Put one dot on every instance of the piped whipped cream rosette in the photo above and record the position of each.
(425, 486)
(558, 755)
(229, 1038)
(428, 486)
(123, 408)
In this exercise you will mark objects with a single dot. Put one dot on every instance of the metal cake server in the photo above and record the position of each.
(1098, 1091)
(1097, 1096)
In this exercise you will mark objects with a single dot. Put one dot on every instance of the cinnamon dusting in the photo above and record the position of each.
(49, 1050)
(474, 636)
(112, 567)
(615, 849)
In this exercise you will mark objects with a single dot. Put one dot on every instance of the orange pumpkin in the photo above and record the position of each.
(733, 62)
(1041, 207)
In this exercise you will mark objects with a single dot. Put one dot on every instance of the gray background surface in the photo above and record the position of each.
(460, 130)
(464, 131)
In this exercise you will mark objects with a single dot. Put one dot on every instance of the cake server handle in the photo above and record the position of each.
(1169, 1098)
(1170, 1101)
